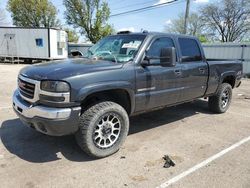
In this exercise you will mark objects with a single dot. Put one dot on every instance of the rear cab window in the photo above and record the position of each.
(190, 50)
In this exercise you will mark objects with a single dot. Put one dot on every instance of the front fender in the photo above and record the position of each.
(105, 86)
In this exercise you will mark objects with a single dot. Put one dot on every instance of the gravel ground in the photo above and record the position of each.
(188, 133)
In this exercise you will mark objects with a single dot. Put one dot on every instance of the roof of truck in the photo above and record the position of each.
(146, 33)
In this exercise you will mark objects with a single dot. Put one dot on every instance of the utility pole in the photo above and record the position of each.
(186, 16)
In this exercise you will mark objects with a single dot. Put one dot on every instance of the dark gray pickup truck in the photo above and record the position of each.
(122, 75)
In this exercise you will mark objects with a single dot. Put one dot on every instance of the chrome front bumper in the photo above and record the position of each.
(29, 111)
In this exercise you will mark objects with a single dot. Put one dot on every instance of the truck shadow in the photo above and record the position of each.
(164, 116)
(35, 147)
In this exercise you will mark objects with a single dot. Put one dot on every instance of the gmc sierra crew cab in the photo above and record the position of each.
(122, 75)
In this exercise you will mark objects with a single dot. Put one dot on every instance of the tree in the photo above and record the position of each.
(72, 35)
(33, 13)
(194, 25)
(228, 20)
(90, 16)
(203, 38)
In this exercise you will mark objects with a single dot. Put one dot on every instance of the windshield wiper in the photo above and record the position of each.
(101, 54)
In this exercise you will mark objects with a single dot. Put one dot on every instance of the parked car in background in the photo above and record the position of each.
(78, 49)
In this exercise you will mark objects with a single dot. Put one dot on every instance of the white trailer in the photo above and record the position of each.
(33, 43)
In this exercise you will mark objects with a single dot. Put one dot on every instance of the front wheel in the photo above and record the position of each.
(220, 102)
(103, 129)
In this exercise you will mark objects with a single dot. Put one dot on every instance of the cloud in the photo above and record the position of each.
(201, 1)
(131, 29)
(168, 22)
(162, 1)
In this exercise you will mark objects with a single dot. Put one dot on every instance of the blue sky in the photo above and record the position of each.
(151, 20)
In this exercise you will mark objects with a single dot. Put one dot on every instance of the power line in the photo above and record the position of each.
(144, 8)
(133, 5)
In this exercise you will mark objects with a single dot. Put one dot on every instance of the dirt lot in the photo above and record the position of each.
(188, 133)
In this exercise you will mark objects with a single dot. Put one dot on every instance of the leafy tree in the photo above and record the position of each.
(227, 20)
(72, 35)
(90, 16)
(33, 13)
(194, 26)
(203, 38)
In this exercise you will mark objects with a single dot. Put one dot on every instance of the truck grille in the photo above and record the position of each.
(26, 89)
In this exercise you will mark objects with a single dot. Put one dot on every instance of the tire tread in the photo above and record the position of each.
(85, 121)
(214, 101)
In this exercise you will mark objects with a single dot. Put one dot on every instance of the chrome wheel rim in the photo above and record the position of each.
(107, 131)
(225, 98)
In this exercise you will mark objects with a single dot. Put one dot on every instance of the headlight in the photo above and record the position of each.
(55, 86)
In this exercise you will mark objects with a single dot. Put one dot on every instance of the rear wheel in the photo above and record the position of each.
(220, 102)
(103, 129)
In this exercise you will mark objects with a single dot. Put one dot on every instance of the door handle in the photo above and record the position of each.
(202, 70)
(177, 72)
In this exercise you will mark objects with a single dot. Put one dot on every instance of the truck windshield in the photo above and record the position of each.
(117, 48)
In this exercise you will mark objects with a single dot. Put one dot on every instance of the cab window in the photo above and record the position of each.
(190, 50)
(155, 48)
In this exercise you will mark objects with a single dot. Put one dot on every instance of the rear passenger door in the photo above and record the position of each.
(194, 69)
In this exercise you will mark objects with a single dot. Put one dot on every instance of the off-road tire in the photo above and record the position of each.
(215, 102)
(88, 121)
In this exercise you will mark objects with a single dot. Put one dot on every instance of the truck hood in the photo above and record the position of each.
(58, 70)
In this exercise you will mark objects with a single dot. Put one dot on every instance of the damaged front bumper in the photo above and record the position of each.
(48, 120)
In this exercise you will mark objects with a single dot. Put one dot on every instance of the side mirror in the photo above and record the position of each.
(168, 57)
(145, 62)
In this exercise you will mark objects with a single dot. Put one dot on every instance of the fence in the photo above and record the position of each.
(230, 51)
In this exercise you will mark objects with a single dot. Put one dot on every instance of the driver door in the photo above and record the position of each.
(157, 86)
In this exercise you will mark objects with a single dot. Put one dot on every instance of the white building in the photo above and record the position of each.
(33, 43)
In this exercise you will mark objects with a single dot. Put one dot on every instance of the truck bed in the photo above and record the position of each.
(219, 69)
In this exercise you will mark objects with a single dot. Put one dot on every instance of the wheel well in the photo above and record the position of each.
(230, 80)
(118, 96)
